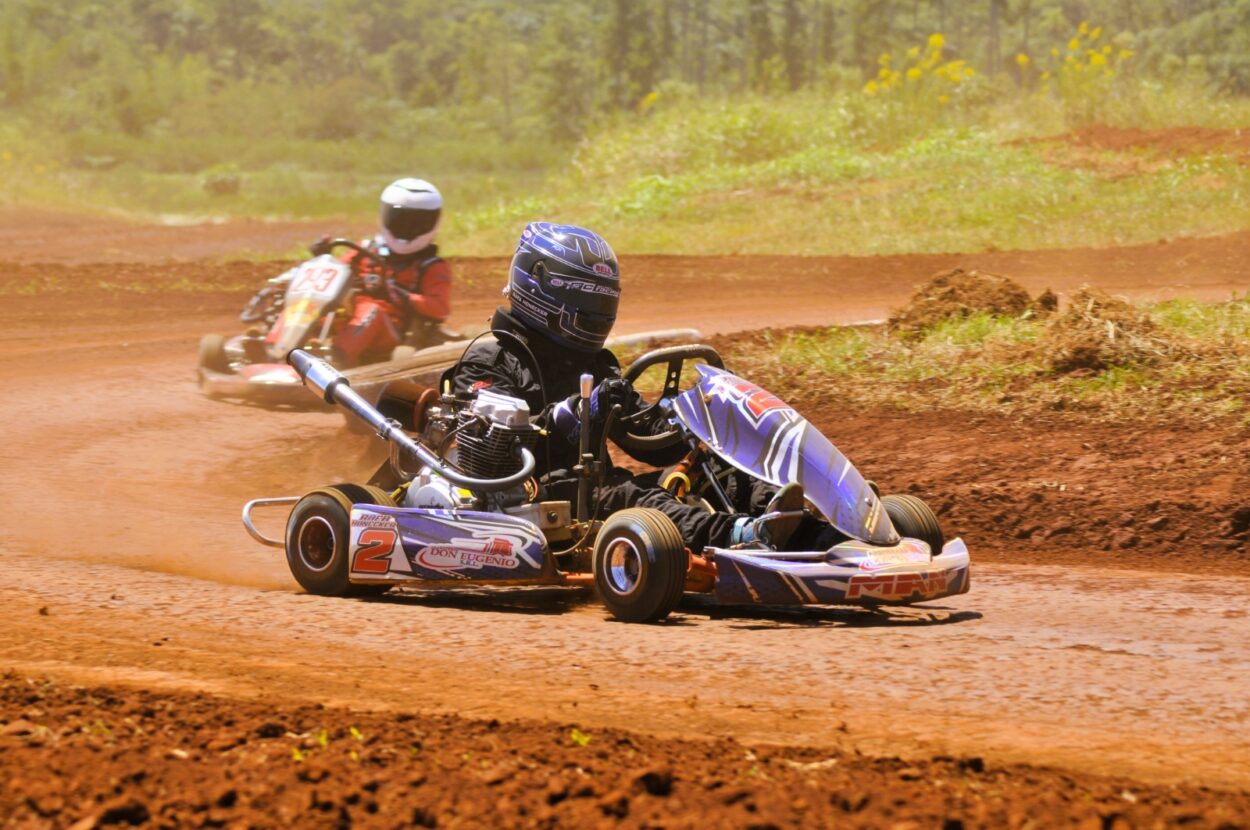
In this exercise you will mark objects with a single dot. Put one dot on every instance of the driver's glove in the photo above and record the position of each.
(321, 247)
(398, 296)
(374, 285)
(565, 420)
(609, 393)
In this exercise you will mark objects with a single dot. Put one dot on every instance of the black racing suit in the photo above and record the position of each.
(501, 364)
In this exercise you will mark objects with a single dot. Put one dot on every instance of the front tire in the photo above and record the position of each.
(318, 538)
(212, 353)
(640, 565)
(914, 519)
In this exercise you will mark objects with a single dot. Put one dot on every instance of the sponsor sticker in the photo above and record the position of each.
(585, 286)
(750, 398)
(363, 519)
(469, 554)
(895, 586)
(603, 269)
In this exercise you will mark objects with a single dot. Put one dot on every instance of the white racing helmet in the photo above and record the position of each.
(411, 209)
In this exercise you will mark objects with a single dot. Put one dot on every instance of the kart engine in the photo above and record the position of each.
(489, 433)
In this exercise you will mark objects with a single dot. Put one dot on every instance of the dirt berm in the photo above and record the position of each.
(957, 293)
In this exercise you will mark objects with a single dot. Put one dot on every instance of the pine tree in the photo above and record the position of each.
(761, 47)
(630, 53)
(793, 47)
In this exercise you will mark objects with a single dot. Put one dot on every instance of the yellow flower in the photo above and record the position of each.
(870, 88)
(1095, 34)
(1084, 27)
(914, 74)
(1074, 44)
(1022, 60)
(944, 99)
(1106, 50)
(1097, 59)
(936, 41)
(1046, 75)
(1069, 60)
(1125, 53)
(969, 72)
(1054, 52)
(883, 59)
(913, 52)
(883, 73)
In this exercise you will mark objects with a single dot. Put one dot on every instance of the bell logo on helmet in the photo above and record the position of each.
(603, 269)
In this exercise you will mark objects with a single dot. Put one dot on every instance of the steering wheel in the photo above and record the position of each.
(372, 287)
(626, 435)
(355, 246)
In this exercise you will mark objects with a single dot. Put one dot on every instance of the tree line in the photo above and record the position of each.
(534, 66)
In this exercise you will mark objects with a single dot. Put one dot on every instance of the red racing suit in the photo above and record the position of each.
(414, 297)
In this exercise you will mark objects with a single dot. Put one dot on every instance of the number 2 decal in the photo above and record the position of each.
(373, 551)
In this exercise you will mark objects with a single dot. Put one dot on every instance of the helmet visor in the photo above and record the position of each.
(408, 223)
(595, 326)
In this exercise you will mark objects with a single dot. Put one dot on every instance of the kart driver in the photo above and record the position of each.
(563, 293)
(412, 282)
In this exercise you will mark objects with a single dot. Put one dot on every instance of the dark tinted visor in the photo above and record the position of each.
(599, 325)
(408, 223)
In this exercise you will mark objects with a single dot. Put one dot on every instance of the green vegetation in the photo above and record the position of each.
(797, 126)
(690, 181)
(983, 363)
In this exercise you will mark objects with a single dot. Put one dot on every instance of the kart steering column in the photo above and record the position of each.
(585, 469)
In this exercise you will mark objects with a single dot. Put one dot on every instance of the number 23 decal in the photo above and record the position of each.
(373, 551)
(315, 279)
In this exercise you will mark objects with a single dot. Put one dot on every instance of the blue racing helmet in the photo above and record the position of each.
(566, 284)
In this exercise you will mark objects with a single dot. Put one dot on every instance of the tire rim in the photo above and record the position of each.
(623, 567)
(316, 543)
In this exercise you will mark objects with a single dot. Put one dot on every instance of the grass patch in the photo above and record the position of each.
(655, 188)
(993, 364)
(802, 173)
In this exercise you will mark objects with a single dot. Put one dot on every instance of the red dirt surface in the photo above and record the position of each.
(122, 563)
(714, 293)
(1172, 142)
(124, 757)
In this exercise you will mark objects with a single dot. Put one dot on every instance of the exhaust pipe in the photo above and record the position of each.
(322, 378)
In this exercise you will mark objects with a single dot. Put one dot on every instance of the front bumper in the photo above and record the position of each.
(851, 573)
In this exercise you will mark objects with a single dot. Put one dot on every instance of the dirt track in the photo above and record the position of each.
(122, 561)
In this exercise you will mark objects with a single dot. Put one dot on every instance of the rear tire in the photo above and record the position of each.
(213, 353)
(914, 519)
(318, 535)
(640, 565)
